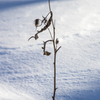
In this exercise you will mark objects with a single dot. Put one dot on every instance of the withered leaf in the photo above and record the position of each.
(47, 53)
(36, 37)
(44, 20)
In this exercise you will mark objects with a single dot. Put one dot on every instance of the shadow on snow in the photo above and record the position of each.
(81, 95)
(9, 4)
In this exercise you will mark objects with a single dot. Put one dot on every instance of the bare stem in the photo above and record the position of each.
(50, 33)
(49, 5)
(53, 97)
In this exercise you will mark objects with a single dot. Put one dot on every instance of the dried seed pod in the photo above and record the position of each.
(48, 23)
(47, 53)
(57, 41)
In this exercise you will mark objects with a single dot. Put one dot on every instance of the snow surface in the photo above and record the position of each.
(25, 74)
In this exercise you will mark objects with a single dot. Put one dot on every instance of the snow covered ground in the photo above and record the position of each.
(25, 74)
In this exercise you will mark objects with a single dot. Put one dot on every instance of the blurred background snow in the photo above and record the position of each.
(25, 74)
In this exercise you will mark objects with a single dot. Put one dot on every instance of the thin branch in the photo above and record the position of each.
(52, 19)
(35, 37)
(30, 37)
(49, 5)
(48, 41)
(50, 33)
(58, 49)
(45, 45)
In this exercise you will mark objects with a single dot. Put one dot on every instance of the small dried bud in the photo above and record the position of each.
(42, 47)
(57, 41)
(47, 53)
(36, 22)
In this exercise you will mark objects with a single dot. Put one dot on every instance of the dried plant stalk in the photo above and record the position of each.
(55, 42)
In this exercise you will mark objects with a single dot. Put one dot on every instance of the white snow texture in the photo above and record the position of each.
(26, 74)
